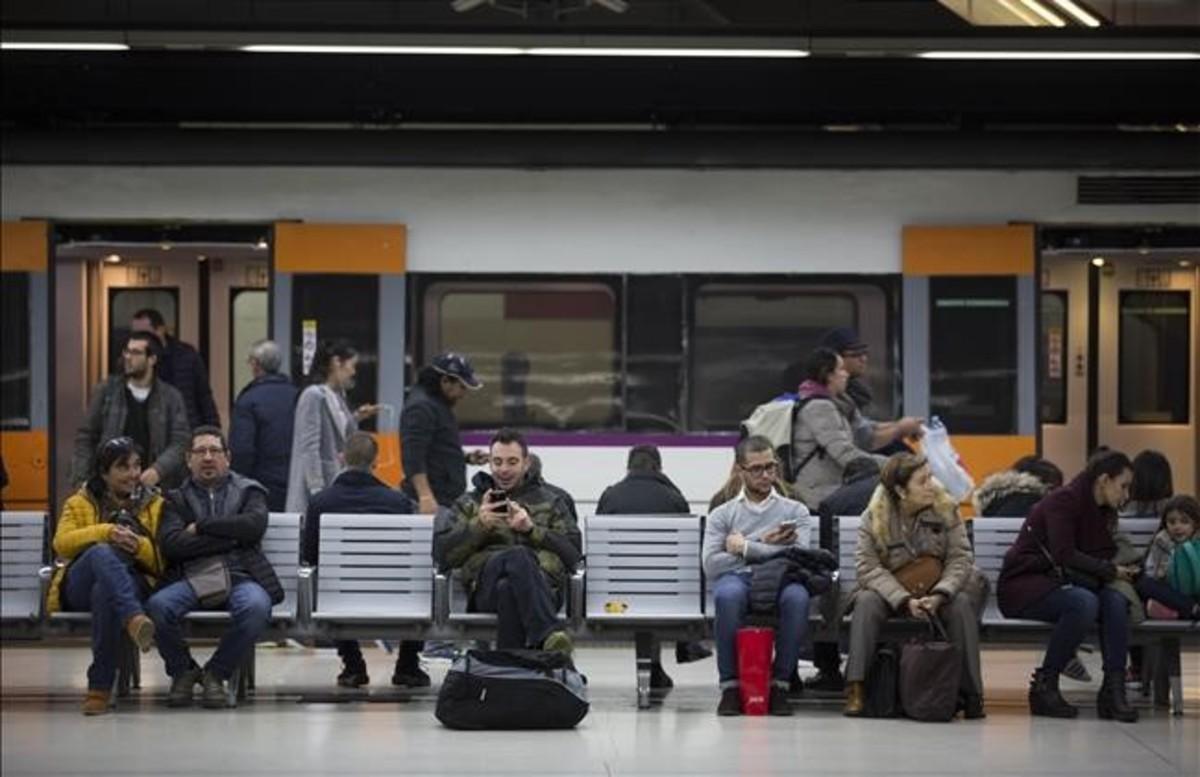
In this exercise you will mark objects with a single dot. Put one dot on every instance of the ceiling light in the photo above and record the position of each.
(261, 245)
(112, 259)
(1044, 12)
(271, 48)
(462, 6)
(1080, 14)
(165, 245)
(1185, 262)
(1098, 261)
(1067, 55)
(62, 46)
(616, 6)
(584, 51)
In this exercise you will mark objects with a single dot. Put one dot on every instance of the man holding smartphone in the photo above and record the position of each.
(754, 527)
(516, 544)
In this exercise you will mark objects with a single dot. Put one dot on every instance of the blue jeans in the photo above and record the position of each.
(731, 594)
(248, 605)
(99, 580)
(1074, 610)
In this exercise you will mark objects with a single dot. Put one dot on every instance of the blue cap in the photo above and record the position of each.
(457, 366)
(843, 340)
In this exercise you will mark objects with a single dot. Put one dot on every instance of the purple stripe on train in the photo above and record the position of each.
(613, 439)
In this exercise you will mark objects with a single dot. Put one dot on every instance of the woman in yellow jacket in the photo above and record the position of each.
(106, 537)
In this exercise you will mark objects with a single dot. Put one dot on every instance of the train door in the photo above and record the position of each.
(1119, 339)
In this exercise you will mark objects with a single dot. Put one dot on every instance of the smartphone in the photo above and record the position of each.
(499, 501)
(789, 524)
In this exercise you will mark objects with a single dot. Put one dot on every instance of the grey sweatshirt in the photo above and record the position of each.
(752, 521)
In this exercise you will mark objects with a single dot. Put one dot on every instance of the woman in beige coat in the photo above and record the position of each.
(910, 516)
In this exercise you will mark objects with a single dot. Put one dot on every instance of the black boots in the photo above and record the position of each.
(1045, 698)
(1111, 703)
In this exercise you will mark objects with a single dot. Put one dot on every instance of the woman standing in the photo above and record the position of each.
(106, 537)
(1057, 572)
(323, 422)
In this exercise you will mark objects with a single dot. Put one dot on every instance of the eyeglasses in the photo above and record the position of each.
(202, 452)
(118, 443)
(761, 469)
(134, 351)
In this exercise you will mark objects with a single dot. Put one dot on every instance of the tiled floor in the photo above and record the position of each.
(299, 725)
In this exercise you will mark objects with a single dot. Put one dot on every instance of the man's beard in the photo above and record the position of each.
(137, 374)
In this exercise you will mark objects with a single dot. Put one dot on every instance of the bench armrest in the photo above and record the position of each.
(306, 596)
(441, 598)
(575, 600)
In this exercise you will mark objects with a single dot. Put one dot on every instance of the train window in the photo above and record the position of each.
(14, 337)
(329, 307)
(653, 353)
(973, 353)
(124, 302)
(1155, 353)
(749, 343)
(1054, 357)
(547, 352)
(247, 325)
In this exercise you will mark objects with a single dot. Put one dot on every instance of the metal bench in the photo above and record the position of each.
(22, 555)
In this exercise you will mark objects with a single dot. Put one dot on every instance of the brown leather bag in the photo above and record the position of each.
(920, 575)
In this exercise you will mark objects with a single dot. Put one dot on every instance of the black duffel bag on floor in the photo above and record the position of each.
(930, 672)
(512, 689)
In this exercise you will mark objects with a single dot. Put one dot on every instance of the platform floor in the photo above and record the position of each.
(298, 724)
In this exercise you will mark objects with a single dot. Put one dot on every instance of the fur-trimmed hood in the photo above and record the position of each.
(879, 512)
(1003, 485)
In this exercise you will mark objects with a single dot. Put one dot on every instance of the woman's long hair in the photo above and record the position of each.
(326, 350)
(896, 473)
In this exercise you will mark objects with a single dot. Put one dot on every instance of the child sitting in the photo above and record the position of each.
(1169, 578)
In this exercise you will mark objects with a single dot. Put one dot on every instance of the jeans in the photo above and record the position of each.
(248, 605)
(513, 586)
(1073, 610)
(731, 594)
(100, 580)
(1152, 588)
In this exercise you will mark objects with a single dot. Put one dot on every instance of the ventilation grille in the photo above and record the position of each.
(1138, 190)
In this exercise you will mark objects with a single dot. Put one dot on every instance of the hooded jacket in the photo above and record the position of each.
(1008, 494)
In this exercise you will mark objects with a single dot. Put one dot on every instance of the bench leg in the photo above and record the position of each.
(126, 656)
(643, 683)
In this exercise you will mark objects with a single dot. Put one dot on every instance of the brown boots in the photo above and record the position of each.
(856, 699)
(141, 630)
(96, 703)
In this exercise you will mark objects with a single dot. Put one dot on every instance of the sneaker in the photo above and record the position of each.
(687, 652)
(182, 687)
(412, 677)
(827, 682)
(212, 692)
(1075, 670)
(731, 702)
(659, 679)
(353, 677)
(777, 703)
(559, 641)
(141, 631)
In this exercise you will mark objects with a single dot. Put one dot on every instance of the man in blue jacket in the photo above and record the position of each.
(357, 491)
(260, 438)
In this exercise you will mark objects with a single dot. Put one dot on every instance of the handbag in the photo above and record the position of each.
(920, 575)
(930, 671)
(882, 685)
(209, 579)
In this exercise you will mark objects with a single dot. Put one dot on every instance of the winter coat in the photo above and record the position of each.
(812, 569)
(642, 493)
(181, 366)
(431, 446)
(885, 545)
(1008, 494)
(462, 542)
(82, 525)
(260, 437)
(355, 492)
(165, 415)
(838, 439)
(318, 440)
(1158, 556)
(1077, 533)
(230, 519)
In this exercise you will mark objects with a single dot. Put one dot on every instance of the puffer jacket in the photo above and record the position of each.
(1008, 494)
(462, 542)
(838, 439)
(82, 525)
(886, 545)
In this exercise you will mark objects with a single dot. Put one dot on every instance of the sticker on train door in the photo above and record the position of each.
(308, 342)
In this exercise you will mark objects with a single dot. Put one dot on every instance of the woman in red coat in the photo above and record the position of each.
(1057, 571)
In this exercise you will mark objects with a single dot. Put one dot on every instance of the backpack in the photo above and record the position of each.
(775, 421)
(512, 689)
(882, 686)
(1184, 573)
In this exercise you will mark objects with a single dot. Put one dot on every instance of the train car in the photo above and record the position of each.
(604, 308)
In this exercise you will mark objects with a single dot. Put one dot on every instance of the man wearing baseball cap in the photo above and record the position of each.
(435, 468)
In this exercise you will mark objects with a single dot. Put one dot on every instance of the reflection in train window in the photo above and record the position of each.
(14, 352)
(1054, 357)
(123, 302)
(749, 344)
(1155, 352)
(247, 325)
(547, 353)
(973, 353)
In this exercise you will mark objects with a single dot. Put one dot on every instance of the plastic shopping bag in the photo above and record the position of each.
(943, 460)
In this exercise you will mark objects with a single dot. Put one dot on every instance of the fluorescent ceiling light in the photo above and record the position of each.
(1077, 55)
(585, 51)
(1080, 14)
(62, 46)
(271, 48)
(1044, 12)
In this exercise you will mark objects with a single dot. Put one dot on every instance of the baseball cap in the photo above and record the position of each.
(844, 340)
(457, 366)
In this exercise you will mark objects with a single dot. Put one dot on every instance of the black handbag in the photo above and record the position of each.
(930, 671)
(882, 686)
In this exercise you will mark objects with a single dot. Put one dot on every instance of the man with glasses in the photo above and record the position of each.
(138, 405)
(211, 539)
(756, 526)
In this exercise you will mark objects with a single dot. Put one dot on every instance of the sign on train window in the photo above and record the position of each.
(14, 339)
(547, 352)
(1155, 353)
(973, 353)
(1054, 357)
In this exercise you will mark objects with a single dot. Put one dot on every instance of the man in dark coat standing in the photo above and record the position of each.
(359, 492)
(647, 491)
(260, 436)
(182, 367)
